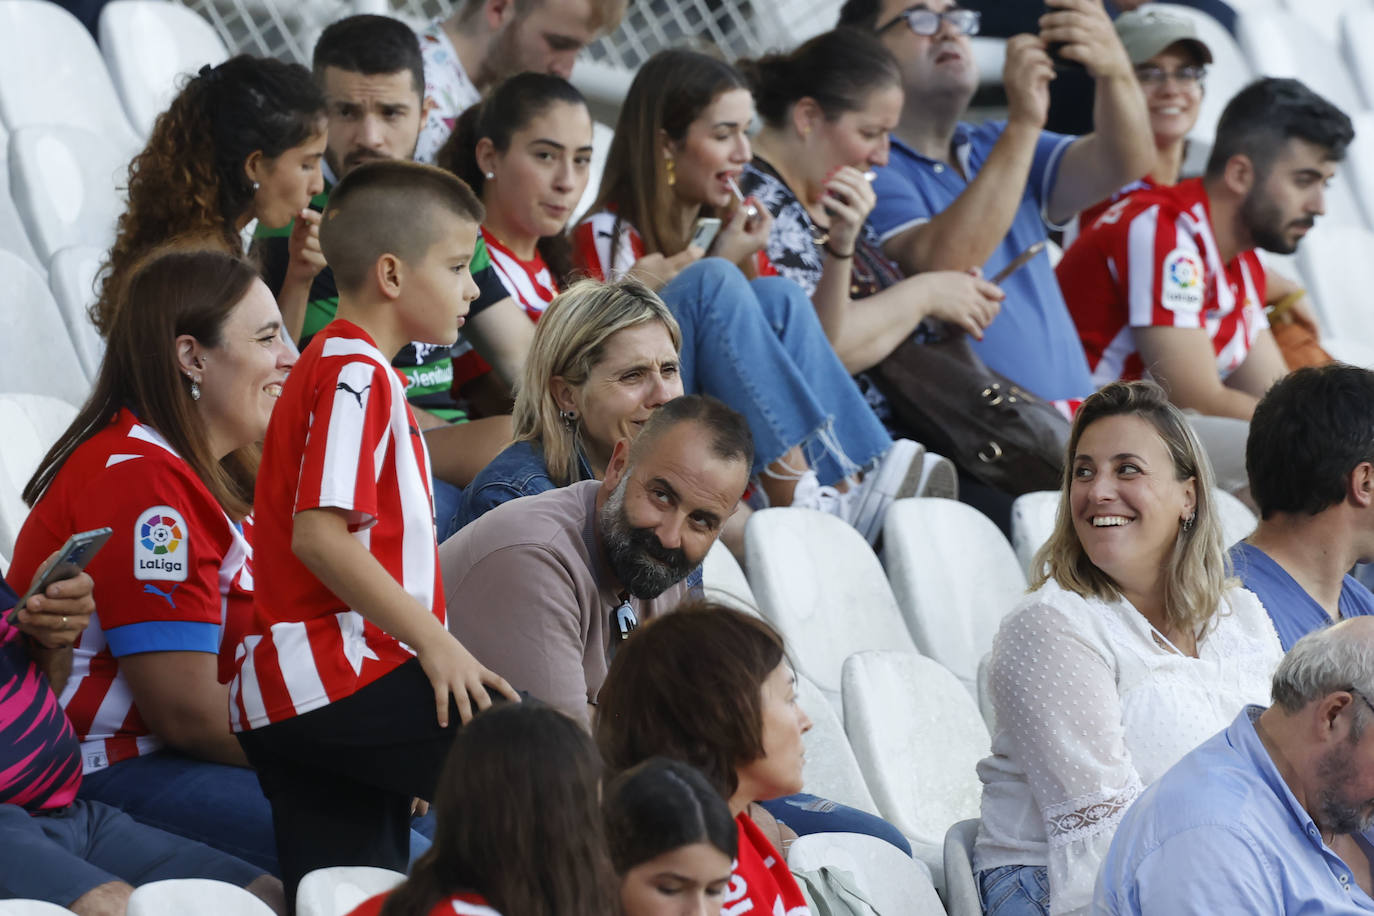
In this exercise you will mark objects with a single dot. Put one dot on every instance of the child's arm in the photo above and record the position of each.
(320, 539)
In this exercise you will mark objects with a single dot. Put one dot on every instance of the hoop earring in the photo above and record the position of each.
(671, 169)
(569, 418)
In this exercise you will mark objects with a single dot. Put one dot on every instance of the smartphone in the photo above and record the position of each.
(1018, 262)
(704, 232)
(64, 564)
(1060, 63)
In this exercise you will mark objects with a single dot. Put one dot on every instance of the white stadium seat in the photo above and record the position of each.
(1286, 44)
(723, 581)
(819, 583)
(1325, 15)
(1333, 258)
(180, 896)
(337, 891)
(1228, 73)
(31, 908)
(30, 424)
(1358, 167)
(831, 770)
(51, 72)
(150, 47)
(72, 278)
(14, 236)
(955, 578)
(1237, 521)
(918, 737)
(961, 887)
(891, 880)
(1032, 520)
(65, 182)
(47, 362)
(1356, 26)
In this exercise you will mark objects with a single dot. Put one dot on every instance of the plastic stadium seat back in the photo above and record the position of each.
(961, 887)
(831, 770)
(955, 578)
(724, 581)
(29, 425)
(819, 583)
(41, 358)
(338, 890)
(151, 48)
(1330, 256)
(51, 72)
(918, 737)
(180, 896)
(72, 278)
(66, 184)
(891, 880)
(1032, 520)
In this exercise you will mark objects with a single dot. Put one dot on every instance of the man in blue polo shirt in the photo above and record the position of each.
(1273, 814)
(1310, 457)
(956, 196)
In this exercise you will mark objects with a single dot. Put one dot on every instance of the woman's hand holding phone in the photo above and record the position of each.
(57, 616)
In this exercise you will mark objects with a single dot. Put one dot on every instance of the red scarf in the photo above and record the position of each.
(761, 885)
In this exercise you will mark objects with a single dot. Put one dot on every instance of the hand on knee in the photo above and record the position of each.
(109, 899)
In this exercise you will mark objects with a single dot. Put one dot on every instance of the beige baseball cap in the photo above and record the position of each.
(1146, 32)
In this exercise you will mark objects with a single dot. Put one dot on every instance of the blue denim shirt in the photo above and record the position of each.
(1221, 832)
(519, 470)
(1033, 340)
(1294, 612)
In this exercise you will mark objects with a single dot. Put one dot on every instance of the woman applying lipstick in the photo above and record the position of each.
(1133, 647)
(827, 109)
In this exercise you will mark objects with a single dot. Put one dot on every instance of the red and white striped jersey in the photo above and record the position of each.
(1151, 261)
(529, 283)
(342, 436)
(592, 241)
(174, 576)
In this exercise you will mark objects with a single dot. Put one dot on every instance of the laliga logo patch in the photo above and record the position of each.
(1182, 281)
(161, 550)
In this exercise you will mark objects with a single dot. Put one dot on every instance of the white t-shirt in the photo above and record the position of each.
(1091, 708)
(446, 85)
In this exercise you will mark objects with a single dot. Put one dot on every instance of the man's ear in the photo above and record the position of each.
(498, 13)
(1239, 175)
(388, 273)
(617, 466)
(1360, 485)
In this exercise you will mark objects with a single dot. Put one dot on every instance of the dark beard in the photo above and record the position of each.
(1263, 221)
(638, 559)
(1337, 814)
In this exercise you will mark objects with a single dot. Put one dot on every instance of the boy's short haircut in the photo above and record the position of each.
(389, 207)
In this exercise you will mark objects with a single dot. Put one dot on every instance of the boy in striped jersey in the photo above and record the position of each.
(349, 688)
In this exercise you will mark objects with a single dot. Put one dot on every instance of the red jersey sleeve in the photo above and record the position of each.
(347, 440)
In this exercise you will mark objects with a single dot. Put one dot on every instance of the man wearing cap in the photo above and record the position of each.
(1166, 282)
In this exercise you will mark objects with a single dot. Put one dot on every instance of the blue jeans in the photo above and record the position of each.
(759, 347)
(447, 499)
(219, 805)
(807, 814)
(1015, 890)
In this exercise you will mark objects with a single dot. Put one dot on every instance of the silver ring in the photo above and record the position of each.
(64, 621)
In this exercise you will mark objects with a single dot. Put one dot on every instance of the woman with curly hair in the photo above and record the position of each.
(242, 141)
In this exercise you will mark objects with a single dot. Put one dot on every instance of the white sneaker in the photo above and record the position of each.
(896, 476)
(812, 494)
(939, 477)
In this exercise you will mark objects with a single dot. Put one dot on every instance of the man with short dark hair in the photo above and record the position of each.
(544, 587)
(1273, 814)
(484, 41)
(1310, 456)
(1167, 283)
(956, 196)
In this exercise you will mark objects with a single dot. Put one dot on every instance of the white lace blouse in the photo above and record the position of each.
(1090, 710)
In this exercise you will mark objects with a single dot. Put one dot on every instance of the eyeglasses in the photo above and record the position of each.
(1187, 77)
(926, 22)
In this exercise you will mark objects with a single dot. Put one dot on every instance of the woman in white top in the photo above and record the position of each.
(1133, 647)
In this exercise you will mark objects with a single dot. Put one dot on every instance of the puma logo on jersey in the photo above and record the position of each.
(344, 386)
(165, 596)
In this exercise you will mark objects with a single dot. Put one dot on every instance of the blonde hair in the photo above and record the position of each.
(1198, 568)
(568, 341)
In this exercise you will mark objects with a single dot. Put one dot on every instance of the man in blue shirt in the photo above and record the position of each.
(1273, 814)
(958, 196)
(1310, 457)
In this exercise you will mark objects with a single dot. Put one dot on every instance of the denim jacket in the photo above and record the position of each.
(519, 470)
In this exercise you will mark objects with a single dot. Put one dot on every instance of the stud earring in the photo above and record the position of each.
(489, 176)
(255, 187)
(568, 417)
(671, 169)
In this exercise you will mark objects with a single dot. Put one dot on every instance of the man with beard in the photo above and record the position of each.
(484, 41)
(1167, 282)
(543, 588)
(1272, 815)
(370, 71)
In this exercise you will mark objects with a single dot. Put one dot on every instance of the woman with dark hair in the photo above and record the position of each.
(241, 142)
(518, 824)
(164, 454)
(1134, 646)
(827, 109)
(679, 145)
(672, 840)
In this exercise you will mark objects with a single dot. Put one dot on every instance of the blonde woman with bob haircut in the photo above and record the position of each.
(1132, 648)
(604, 357)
